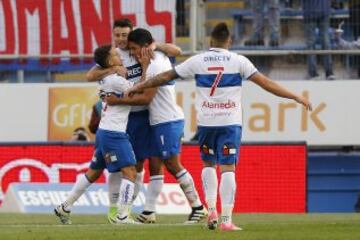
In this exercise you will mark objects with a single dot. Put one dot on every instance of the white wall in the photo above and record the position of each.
(334, 121)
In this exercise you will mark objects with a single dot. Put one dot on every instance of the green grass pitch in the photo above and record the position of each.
(255, 227)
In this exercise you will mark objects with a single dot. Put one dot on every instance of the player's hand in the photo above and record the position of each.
(145, 56)
(110, 99)
(151, 50)
(304, 101)
(120, 70)
(133, 90)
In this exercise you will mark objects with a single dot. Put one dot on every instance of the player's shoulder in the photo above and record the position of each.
(159, 60)
(240, 57)
(159, 56)
(197, 57)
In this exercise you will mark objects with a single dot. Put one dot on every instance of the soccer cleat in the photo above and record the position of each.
(146, 217)
(63, 214)
(212, 221)
(112, 213)
(125, 220)
(229, 227)
(197, 214)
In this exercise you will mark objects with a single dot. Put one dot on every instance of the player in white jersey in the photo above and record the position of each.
(138, 125)
(219, 74)
(120, 31)
(112, 147)
(167, 124)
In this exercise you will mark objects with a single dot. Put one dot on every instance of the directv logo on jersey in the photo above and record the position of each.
(223, 105)
(216, 58)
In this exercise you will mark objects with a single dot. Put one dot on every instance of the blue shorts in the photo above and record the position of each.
(112, 151)
(220, 145)
(139, 131)
(166, 139)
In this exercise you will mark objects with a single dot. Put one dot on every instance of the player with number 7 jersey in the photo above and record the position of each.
(219, 75)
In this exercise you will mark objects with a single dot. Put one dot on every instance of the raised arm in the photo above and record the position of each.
(278, 90)
(96, 73)
(168, 48)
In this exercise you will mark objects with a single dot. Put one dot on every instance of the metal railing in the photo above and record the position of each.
(190, 53)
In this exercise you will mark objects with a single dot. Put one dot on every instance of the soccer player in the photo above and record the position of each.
(219, 74)
(138, 126)
(167, 125)
(141, 118)
(112, 147)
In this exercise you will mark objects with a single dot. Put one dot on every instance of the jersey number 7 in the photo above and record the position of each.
(219, 74)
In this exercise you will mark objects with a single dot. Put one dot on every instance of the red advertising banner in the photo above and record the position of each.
(270, 177)
(43, 27)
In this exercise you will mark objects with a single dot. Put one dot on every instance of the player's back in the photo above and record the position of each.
(163, 107)
(114, 118)
(218, 74)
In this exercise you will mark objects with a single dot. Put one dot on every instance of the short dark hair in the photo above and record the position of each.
(81, 134)
(141, 37)
(101, 55)
(123, 22)
(220, 33)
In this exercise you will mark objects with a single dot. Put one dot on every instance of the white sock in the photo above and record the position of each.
(210, 186)
(80, 186)
(227, 195)
(126, 195)
(187, 185)
(114, 181)
(154, 189)
(138, 183)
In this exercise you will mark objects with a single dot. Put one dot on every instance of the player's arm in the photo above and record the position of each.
(168, 48)
(139, 99)
(278, 90)
(153, 82)
(96, 73)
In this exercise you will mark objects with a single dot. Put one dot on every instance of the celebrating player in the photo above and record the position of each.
(167, 124)
(219, 74)
(138, 126)
(112, 147)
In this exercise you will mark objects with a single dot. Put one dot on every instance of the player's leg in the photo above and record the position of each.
(139, 132)
(228, 145)
(186, 182)
(83, 181)
(207, 143)
(153, 190)
(169, 143)
(118, 155)
(114, 181)
(126, 194)
(210, 187)
(139, 181)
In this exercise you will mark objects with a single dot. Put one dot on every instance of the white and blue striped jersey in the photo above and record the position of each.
(114, 118)
(218, 74)
(134, 72)
(163, 107)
